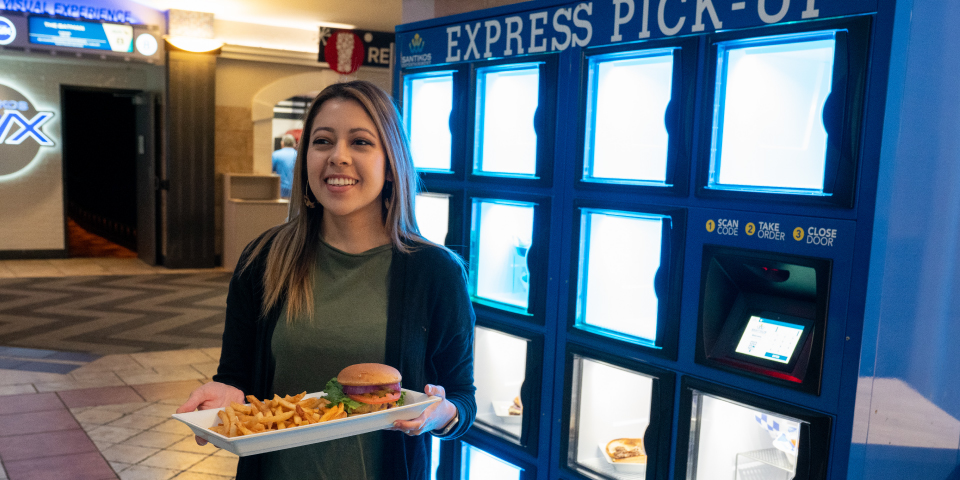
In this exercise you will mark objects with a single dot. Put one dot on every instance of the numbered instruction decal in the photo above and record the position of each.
(819, 236)
(772, 231)
(723, 226)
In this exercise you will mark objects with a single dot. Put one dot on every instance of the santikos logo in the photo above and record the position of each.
(21, 135)
(8, 31)
(416, 43)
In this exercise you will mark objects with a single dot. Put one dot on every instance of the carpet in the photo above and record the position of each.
(104, 315)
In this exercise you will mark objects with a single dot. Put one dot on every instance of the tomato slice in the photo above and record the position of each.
(392, 397)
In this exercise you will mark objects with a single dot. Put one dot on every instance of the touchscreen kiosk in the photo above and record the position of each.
(772, 338)
(763, 314)
(761, 341)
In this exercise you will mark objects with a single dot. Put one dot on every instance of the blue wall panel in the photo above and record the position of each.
(912, 317)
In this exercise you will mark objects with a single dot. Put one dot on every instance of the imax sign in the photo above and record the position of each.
(21, 131)
(28, 128)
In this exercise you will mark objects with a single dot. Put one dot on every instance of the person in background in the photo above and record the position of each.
(349, 279)
(283, 161)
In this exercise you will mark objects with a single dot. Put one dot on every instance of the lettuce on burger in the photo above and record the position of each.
(366, 388)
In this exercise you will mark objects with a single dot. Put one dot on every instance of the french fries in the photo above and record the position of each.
(275, 414)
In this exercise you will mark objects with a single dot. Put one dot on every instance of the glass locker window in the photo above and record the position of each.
(768, 132)
(477, 464)
(428, 102)
(627, 98)
(433, 216)
(602, 429)
(505, 141)
(434, 457)
(499, 367)
(619, 259)
(500, 236)
(732, 440)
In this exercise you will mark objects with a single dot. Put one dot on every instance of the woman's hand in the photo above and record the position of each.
(211, 395)
(435, 417)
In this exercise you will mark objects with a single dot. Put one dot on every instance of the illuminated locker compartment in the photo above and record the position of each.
(434, 456)
(501, 235)
(620, 256)
(428, 103)
(627, 98)
(476, 464)
(505, 141)
(499, 369)
(742, 442)
(433, 216)
(729, 434)
(612, 411)
(768, 129)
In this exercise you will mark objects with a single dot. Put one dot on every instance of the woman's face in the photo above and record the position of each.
(346, 163)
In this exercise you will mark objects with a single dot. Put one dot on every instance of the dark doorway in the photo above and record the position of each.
(100, 171)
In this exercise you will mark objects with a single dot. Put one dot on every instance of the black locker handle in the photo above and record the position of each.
(661, 279)
(535, 263)
(651, 436)
(834, 110)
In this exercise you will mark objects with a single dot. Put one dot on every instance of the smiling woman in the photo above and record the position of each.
(346, 172)
(349, 280)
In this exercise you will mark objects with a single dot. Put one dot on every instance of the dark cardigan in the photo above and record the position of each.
(430, 324)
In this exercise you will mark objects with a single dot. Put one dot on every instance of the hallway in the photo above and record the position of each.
(95, 354)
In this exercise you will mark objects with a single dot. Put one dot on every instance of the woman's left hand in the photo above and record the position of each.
(435, 417)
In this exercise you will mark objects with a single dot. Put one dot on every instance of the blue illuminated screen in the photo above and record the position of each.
(85, 35)
(627, 99)
(501, 235)
(506, 138)
(478, 465)
(619, 261)
(428, 102)
(768, 130)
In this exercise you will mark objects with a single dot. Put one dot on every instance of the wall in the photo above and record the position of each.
(417, 10)
(237, 83)
(251, 89)
(246, 92)
(267, 36)
(31, 201)
(906, 424)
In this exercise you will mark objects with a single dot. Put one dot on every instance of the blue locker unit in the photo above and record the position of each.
(668, 209)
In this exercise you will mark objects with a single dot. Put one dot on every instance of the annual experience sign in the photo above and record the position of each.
(89, 12)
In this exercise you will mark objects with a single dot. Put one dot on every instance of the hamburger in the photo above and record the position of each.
(366, 388)
(516, 408)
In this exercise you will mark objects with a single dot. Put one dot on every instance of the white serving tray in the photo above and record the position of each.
(200, 421)
(622, 466)
(502, 410)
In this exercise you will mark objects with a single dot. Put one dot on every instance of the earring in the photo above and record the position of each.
(307, 202)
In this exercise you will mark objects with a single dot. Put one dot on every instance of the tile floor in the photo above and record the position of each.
(102, 418)
(108, 419)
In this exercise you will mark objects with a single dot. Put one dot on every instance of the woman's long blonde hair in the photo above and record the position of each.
(293, 245)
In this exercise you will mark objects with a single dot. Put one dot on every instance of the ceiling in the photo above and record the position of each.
(376, 15)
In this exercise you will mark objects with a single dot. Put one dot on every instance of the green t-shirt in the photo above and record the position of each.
(349, 325)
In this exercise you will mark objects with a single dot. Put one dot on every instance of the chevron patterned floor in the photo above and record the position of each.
(104, 315)
(95, 354)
